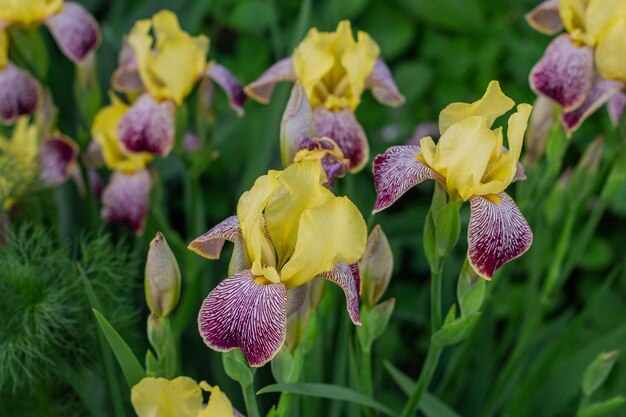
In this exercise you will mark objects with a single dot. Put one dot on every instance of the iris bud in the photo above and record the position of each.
(162, 278)
(375, 266)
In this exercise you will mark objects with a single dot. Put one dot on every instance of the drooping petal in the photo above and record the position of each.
(231, 86)
(125, 199)
(545, 18)
(148, 126)
(75, 31)
(497, 233)
(383, 86)
(19, 93)
(345, 130)
(564, 73)
(126, 78)
(600, 93)
(219, 405)
(296, 124)
(57, 156)
(616, 106)
(241, 313)
(159, 397)
(262, 88)
(609, 52)
(349, 279)
(210, 244)
(395, 171)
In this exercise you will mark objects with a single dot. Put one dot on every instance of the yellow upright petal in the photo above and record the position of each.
(28, 11)
(4, 49)
(359, 60)
(602, 13)
(219, 405)
(611, 50)
(573, 14)
(310, 63)
(329, 233)
(429, 149)
(492, 105)
(159, 397)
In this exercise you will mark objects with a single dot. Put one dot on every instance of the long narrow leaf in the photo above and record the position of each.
(333, 392)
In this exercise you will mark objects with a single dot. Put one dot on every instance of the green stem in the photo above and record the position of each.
(284, 402)
(249, 397)
(367, 378)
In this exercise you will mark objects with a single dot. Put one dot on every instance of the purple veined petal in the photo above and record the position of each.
(349, 279)
(342, 127)
(383, 86)
(75, 30)
(262, 88)
(126, 78)
(241, 313)
(395, 171)
(231, 86)
(616, 106)
(601, 91)
(565, 73)
(148, 126)
(57, 157)
(125, 199)
(19, 94)
(497, 234)
(545, 18)
(210, 244)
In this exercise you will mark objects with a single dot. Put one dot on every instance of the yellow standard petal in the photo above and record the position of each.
(219, 405)
(310, 63)
(18, 162)
(359, 60)
(104, 131)
(611, 50)
(159, 397)
(492, 105)
(28, 12)
(573, 14)
(4, 49)
(601, 14)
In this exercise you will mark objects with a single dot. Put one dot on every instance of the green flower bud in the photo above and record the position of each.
(162, 278)
(376, 267)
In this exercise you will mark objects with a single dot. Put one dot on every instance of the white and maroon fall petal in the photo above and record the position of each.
(56, 158)
(125, 199)
(616, 106)
(545, 18)
(210, 244)
(148, 126)
(349, 279)
(75, 31)
(231, 86)
(262, 88)
(497, 233)
(601, 91)
(241, 313)
(383, 86)
(19, 94)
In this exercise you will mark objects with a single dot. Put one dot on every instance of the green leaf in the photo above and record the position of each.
(333, 392)
(132, 369)
(455, 332)
(283, 366)
(470, 290)
(598, 371)
(237, 368)
(602, 407)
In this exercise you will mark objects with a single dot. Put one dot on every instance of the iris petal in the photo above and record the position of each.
(125, 199)
(75, 30)
(349, 279)
(148, 126)
(210, 244)
(545, 18)
(231, 86)
(383, 86)
(601, 91)
(262, 88)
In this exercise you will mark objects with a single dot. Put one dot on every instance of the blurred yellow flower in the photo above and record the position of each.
(18, 162)
(4, 48)
(170, 61)
(28, 11)
(333, 67)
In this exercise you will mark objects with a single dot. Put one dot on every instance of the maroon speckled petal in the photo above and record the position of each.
(210, 244)
(75, 31)
(56, 158)
(19, 93)
(545, 18)
(349, 279)
(616, 106)
(383, 86)
(342, 127)
(231, 86)
(262, 88)
(564, 73)
(497, 234)
(125, 199)
(600, 93)
(148, 126)
(240, 313)
(395, 171)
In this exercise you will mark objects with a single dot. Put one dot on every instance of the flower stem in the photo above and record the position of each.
(249, 397)
(367, 378)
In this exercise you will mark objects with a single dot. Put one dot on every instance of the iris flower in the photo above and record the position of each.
(334, 70)
(179, 397)
(163, 63)
(288, 230)
(585, 67)
(75, 31)
(470, 161)
(18, 162)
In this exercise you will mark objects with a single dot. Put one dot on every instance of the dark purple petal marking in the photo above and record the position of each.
(345, 130)
(545, 18)
(56, 158)
(240, 313)
(349, 279)
(616, 106)
(210, 244)
(148, 126)
(565, 73)
(383, 86)
(75, 31)
(231, 86)
(601, 91)
(497, 234)
(262, 88)
(19, 93)
(125, 199)
(395, 171)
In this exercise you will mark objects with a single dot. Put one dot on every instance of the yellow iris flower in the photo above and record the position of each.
(470, 156)
(179, 397)
(600, 24)
(333, 67)
(171, 61)
(18, 162)
(28, 12)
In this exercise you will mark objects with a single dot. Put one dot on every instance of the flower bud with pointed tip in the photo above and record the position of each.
(296, 124)
(162, 278)
(376, 267)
